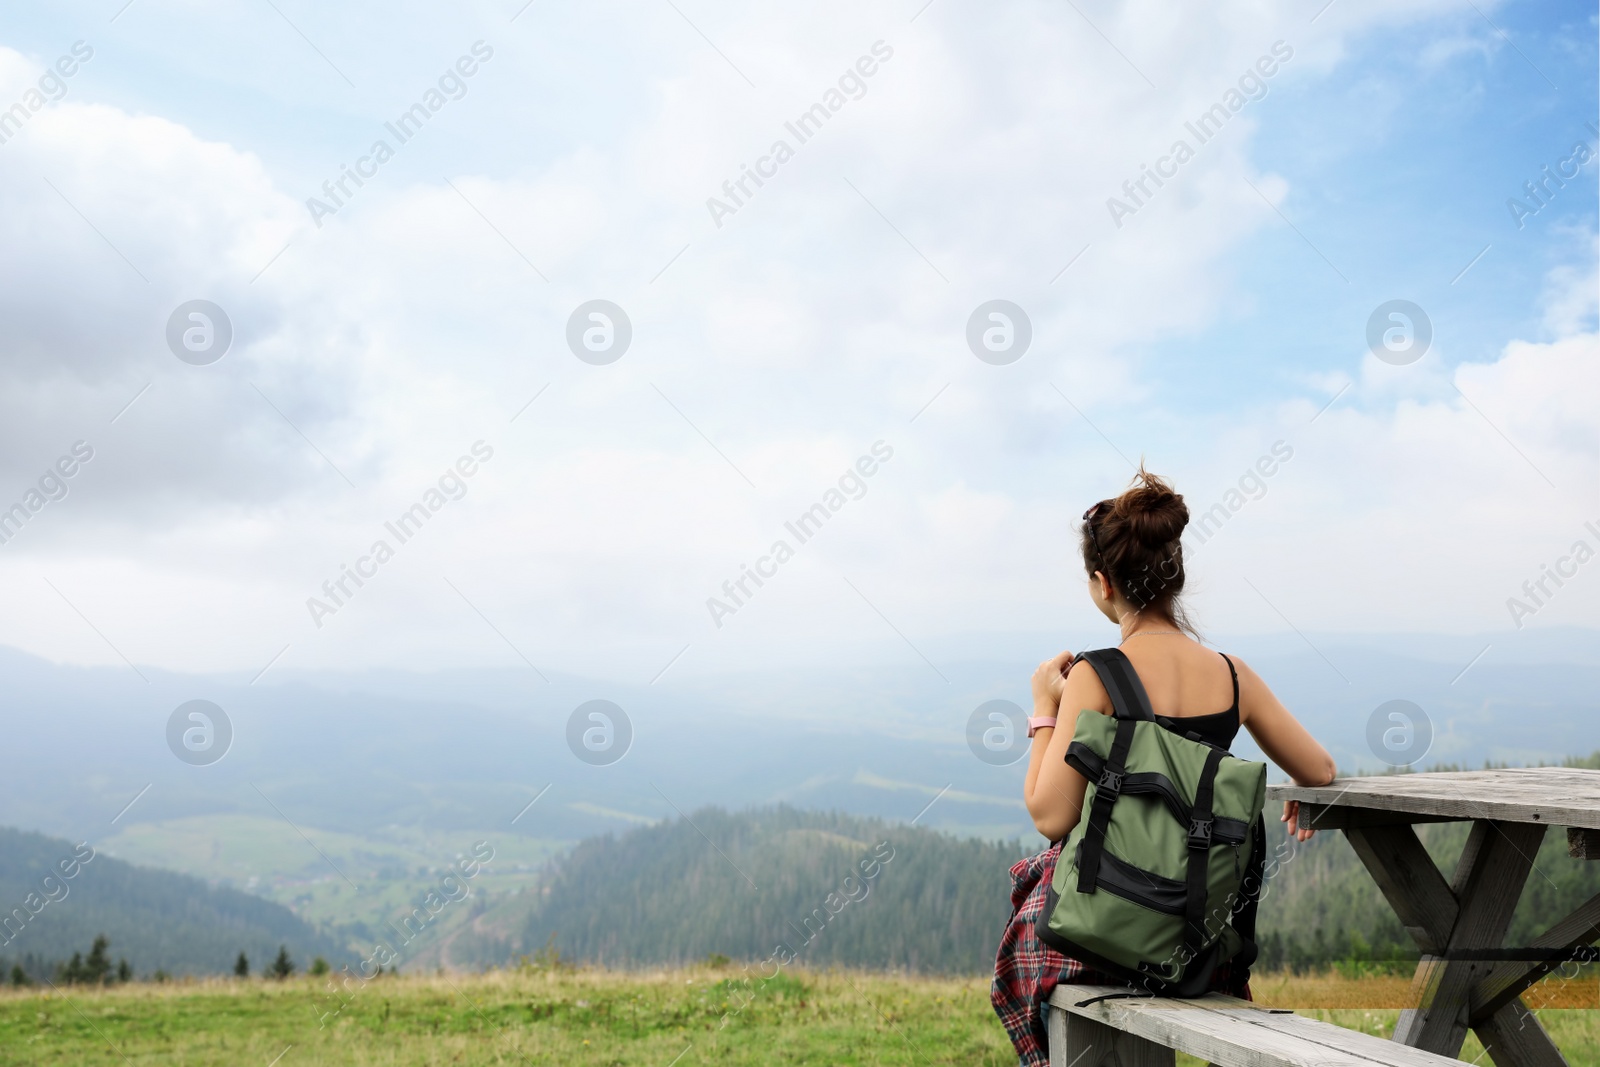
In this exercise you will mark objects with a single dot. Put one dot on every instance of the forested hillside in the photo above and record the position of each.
(57, 897)
(830, 888)
(836, 889)
(826, 888)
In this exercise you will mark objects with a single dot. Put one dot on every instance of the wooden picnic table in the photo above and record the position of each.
(1460, 924)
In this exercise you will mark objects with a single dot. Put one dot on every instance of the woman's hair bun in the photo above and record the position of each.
(1153, 512)
(1135, 541)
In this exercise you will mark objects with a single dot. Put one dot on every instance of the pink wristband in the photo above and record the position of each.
(1039, 722)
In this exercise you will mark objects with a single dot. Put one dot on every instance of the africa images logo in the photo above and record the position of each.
(452, 485)
(803, 128)
(451, 85)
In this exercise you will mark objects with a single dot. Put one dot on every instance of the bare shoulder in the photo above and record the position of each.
(1084, 691)
(1254, 693)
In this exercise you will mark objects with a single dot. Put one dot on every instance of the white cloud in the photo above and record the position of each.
(1421, 502)
(806, 328)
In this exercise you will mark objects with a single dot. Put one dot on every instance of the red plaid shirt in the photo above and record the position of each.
(1027, 971)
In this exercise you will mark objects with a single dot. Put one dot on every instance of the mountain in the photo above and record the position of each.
(465, 751)
(58, 896)
(344, 793)
(836, 889)
(828, 888)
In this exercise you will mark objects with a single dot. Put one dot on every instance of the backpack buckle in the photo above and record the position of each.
(1110, 781)
(1200, 833)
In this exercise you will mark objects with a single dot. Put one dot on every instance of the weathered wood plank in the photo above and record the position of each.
(1077, 1041)
(1506, 981)
(1349, 1042)
(1514, 1037)
(1340, 817)
(1055, 1032)
(1549, 796)
(1488, 882)
(1410, 882)
(1583, 844)
(1484, 835)
(1236, 1033)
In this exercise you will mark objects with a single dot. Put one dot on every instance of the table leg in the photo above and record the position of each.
(1409, 881)
(1488, 882)
(1470, 913)
(1506, 981)
(1514, 1037)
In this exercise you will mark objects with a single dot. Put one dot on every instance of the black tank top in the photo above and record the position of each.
(1218, 728)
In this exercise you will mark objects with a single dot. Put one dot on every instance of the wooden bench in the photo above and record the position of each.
(1143, 1031)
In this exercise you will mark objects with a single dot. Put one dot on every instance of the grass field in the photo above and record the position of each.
(668, 1018)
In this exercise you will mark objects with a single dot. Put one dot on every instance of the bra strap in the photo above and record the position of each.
(1235, 676)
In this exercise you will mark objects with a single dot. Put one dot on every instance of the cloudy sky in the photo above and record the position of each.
(1357, 154)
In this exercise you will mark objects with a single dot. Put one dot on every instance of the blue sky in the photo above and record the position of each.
(771, 352)
(1401, 176)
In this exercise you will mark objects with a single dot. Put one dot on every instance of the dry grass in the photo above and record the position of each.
(1336, 992)
(684, 1016)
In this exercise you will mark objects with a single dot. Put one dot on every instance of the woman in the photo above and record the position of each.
(1134, 558)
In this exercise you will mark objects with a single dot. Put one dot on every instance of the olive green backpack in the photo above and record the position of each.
(1157, 883)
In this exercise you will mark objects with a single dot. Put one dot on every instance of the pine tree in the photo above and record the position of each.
(72, 973)
(241, 967)
(283, 966)
(124, 972)
(19, 977)
(97, 966)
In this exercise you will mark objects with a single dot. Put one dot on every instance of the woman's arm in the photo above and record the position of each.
(1049, 678)
(1286, 742)
(1052, 790)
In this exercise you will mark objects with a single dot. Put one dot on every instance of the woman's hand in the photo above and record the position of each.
(1291, 815)
(1047, 682)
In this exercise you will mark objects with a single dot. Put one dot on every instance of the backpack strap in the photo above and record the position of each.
(1129, 705)
(1128, 698)
(1195, 889)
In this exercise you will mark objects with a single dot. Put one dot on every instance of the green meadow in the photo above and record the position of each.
(676, 1017)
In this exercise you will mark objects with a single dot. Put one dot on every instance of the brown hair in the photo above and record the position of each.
(1134, 540)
